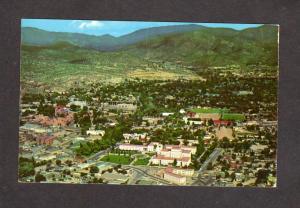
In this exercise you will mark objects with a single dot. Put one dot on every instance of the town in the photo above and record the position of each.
(220, 130)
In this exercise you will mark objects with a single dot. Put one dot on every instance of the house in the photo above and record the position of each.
(166, 114)
(95, 132)
(190, 142)
(182, 111)
(77, 103)
(58, 121)
(193, 121)
(61, 111)
(190, 114)
(47, 140)
(45, 157)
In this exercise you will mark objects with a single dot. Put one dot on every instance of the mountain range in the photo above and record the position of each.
(38, 37)
(55, 57)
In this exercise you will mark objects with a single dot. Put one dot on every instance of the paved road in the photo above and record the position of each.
(148, 175)
(97, 155)
(212, 158)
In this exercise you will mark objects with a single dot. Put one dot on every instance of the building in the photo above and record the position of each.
(61, 111)
(123, 106)
(77, 103)
(133, 147)
(163, 160)
(175, 153)
(57, 121)
(193, 121)
(189, 142)
(47, 140)
(154, 147)
(183, 171)
(166, 114)
(179, 154)
(174, 178)
(152, 120)
(221, 122)
(193, 149)
(135, 136)
(95, 132)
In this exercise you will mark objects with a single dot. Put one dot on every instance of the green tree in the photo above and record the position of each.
(39, 177)
(58, 162)
(94, 169)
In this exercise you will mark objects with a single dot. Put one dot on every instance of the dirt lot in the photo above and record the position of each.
(213, 116)
(224, 132)
(162, 75)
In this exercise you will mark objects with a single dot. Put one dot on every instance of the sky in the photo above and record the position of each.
(115, 28)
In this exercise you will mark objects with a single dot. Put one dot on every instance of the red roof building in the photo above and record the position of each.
(222, 123)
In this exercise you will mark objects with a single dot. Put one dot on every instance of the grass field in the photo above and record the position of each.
(142, 161)
(233, 116)
(209, 110)
(119, 159)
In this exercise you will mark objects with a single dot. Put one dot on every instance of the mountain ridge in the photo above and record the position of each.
(106, 42)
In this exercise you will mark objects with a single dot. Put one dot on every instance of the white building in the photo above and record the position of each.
(165, 114)
(163, 160)
(154, 147)
(193, 149)
(174, 178)
(115, 105)
(133, 147)
(184, 171)
(95, 132)
(191, 121)
(134, 136)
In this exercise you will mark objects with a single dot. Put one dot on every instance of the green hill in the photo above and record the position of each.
(215, 47)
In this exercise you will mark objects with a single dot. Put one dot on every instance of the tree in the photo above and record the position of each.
(58, 162)
(175, 162)
(74, 107)
(209, 166)
(26, 167)
(69, 163)
(39, 177)
(232, 176)
(94, 169)
(210, 122)
(239, 184)
(262, 176)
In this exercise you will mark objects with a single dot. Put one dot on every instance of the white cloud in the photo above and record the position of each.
(88, 24)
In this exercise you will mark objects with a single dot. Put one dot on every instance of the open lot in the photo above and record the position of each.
(141, 161)
(119, 159)
(233, 116)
